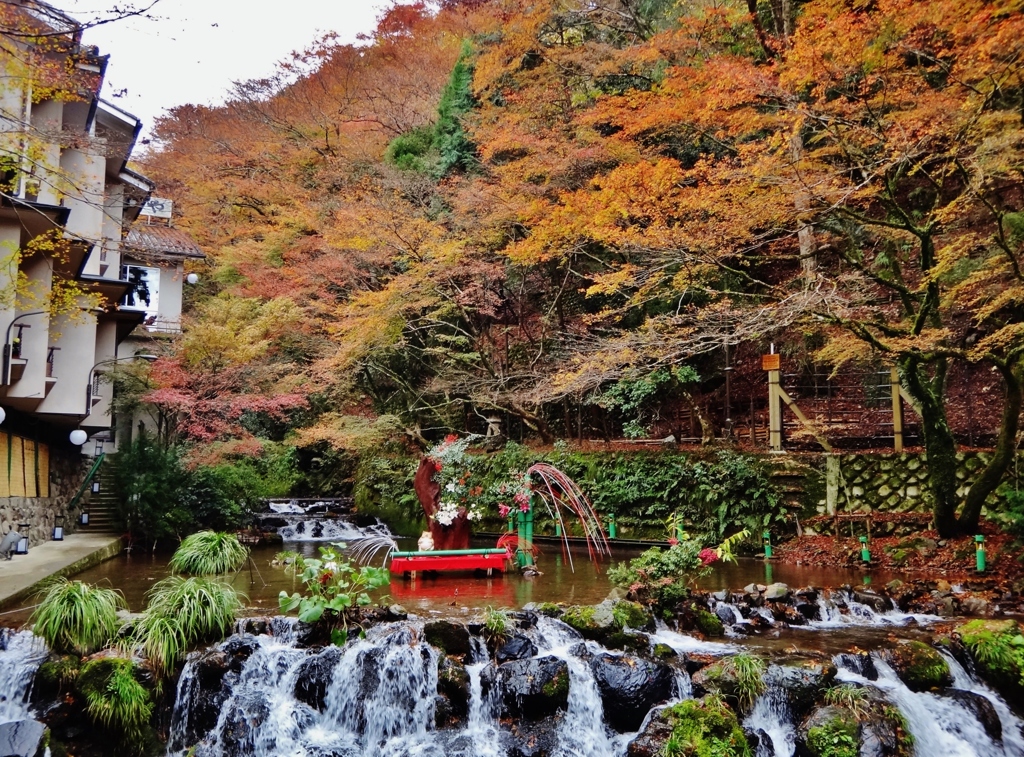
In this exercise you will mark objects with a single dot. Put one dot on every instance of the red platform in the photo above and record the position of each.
(449, 563)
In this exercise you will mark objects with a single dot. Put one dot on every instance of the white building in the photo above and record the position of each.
(68, 291)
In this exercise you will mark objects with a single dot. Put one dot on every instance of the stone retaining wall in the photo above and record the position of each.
(898, 482)
(68, 468)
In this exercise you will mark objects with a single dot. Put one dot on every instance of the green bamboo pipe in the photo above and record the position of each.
(979, 554)
(450, 553)
(865, 553)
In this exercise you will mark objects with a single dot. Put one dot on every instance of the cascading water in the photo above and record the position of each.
(940, 725)
(21, 653)
(1012, 726)
(307, 528)
(377, 698)
(772, 718)
(842, 609)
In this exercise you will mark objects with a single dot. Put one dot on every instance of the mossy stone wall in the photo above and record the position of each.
(897, 482)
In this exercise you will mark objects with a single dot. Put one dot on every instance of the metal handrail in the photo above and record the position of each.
(88, 480)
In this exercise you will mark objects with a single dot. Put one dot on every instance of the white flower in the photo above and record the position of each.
(451, 486)
(330, 566)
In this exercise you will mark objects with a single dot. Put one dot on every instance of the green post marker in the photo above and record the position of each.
(521, 533)
(529, 534)
(613, 529)
(680, 533)
(867, 580)
(979, 554)
(865, 553)
(767, 545)
(768, 574)
(558, 529)
(511, 522)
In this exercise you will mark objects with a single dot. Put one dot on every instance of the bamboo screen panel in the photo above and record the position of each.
(24, 467)
(16, 456)
(5, 465)
(43, 469)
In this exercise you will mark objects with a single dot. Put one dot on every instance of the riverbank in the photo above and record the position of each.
(23, 575)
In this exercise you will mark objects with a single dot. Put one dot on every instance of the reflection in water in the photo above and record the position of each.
(135, 574)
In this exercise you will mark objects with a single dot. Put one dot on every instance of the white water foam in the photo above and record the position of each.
(1013, 726)
(858, 614)
(21, 653)
(940, 725)
(772, 716)
(330, 529)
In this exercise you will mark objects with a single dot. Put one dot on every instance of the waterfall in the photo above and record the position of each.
(583, 732)
(482, 730)
(1013, 726)
(831, 615)
(21, 653)
(940, 725)
(684, 644)
(771, 716)
(307, 528)
(378, 700)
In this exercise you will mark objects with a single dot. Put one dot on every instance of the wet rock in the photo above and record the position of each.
(803, 681)
(727, 614)
(981, 708)
(706, 726)
(20, 738)
(533, 689)
(860, 663)
(593, 622)
(629, 688)
(707, 623)
(246, 713)
(256, 626)
(453, 685)
(314, 675)
(808, 610)
(919, 666)
(750, 589)
(534, 739)
(793, 616)
(518, 647)
(776, 591)
(581, 652)
(760, 743)
(876, 602)
(450, 636)
(820, 729)
(525, 619)
(237, 650)
(664, 652)
(976, 606)
(880, 737)
(397, 612)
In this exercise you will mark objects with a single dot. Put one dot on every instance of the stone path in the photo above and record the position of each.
(20, 577)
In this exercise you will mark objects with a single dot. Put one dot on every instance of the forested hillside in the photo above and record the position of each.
(535, 211)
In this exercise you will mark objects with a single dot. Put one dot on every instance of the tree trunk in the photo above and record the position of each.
(802, 202)
(939, 444)
(1006, 447)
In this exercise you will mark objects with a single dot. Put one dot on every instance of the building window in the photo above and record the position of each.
(144, 293)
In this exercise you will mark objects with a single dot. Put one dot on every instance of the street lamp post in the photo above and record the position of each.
(92, 374)
(7, 343)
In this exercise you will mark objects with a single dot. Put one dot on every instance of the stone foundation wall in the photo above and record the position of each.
(898, 482)
(68, 468)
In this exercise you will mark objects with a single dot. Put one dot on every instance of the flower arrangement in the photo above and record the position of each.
(452, 467)
(513, 496)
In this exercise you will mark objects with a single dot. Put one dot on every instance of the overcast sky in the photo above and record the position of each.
(192, 50)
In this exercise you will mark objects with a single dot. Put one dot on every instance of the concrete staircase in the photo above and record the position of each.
(102, 506)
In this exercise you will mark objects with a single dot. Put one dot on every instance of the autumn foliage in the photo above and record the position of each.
(498, 208)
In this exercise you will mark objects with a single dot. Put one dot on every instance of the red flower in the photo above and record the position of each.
(437, 467)
(326, 577)
(451, 438)
(708, 556)
(504, 510)
(673, 541)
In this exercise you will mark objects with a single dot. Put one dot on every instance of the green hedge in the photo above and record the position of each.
(715, 493)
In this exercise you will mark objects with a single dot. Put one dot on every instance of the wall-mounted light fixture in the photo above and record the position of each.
(58, 528)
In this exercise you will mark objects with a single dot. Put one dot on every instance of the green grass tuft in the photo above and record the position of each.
(77, 617)
(209, 553)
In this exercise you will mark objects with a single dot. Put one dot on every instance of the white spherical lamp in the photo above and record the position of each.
(78, 437)
(3, 415)
(192, 278)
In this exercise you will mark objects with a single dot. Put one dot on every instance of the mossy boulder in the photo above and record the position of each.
(533, 689)
(453, 685)
(832, 732)
(692, 728)
(707, 623)
(631, 615)
(630, 687)
(919, 666)
(738, 679)
(997, 647)
(592, 621)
